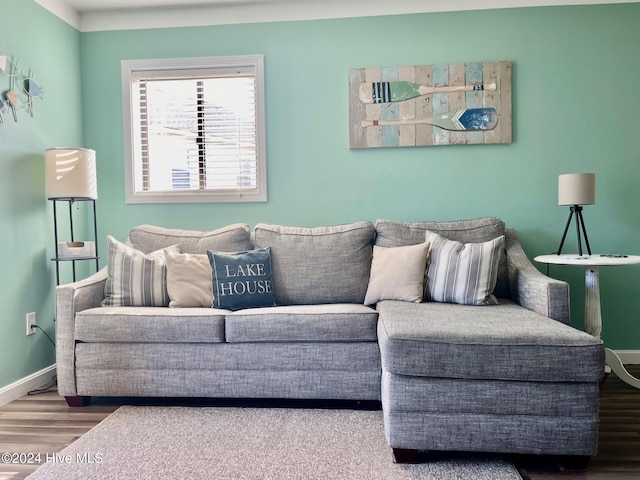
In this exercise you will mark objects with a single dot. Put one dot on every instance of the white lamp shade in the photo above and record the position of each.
(577, 189)
(71, 173)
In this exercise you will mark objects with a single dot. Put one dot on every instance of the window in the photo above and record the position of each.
(194, 130)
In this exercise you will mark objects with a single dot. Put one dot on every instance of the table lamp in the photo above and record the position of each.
(576, 189)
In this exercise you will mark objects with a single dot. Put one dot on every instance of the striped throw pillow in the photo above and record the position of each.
(463, 273)
(135, 279)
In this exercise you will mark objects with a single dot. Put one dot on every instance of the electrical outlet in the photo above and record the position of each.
(31, 321)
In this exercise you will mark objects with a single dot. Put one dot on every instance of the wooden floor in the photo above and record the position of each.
(41, 424)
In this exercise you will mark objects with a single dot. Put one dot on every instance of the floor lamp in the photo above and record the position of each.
(71, 177)
(576, 189)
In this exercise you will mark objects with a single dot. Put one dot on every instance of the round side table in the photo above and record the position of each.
(592, 310)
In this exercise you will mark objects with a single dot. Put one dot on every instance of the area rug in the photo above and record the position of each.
(154, 443)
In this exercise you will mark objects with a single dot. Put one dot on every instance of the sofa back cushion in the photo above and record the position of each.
(232, 238)
(318, 265)
(390, 233)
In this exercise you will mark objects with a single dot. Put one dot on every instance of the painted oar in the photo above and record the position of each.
(12, 99)
(31, 88)
(5, 64)
(384, 92)
(465, 119)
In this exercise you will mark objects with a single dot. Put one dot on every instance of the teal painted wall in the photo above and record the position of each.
(27, 278)
(575, 71)
(575, 100)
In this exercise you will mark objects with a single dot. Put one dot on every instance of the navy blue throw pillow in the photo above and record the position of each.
(242, 280)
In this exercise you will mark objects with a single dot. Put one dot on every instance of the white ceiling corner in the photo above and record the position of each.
(62, 10)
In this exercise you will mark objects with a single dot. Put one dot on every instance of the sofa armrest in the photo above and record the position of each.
(70, 299)
(530, 288)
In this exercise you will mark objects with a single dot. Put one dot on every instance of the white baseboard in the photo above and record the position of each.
(629, 356)
(26, 384)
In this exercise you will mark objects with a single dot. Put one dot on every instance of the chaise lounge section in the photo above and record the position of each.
(499, 378)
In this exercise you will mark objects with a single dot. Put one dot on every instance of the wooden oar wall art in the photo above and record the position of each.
(384, 92)
(22, 89)
(464, 119)
(421, 105)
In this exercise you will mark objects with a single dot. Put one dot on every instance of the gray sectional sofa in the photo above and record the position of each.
(506, 377)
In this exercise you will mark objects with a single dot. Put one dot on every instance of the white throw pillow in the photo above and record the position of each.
(135, 279)
(397, 273)
(188, 279)
(464, 273)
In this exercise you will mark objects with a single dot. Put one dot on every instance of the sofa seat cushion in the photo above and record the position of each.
(501, 342)
(213, 357)
(303, 323)
(150, 325)
(453, 396)
(243, 370)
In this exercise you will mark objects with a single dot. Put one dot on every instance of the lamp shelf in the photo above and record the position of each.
(75, 259)
(72, 199)
(70, 258)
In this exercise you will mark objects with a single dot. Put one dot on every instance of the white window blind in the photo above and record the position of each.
(197, 130)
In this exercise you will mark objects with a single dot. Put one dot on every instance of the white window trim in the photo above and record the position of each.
(130, 67)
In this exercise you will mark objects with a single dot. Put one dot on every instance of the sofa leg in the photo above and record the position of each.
(405, 455)
(78, 401)
(574, 462)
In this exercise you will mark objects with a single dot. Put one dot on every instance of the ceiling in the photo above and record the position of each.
(94, 5)
(98, 15)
